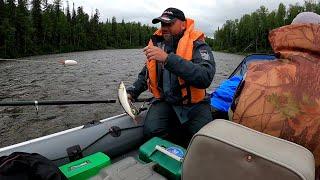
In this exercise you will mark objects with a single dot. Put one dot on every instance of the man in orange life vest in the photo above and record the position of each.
(179, 67)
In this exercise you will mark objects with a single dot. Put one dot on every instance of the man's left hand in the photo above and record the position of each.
(153, 52)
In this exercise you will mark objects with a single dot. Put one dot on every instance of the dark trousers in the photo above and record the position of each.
(162, 121)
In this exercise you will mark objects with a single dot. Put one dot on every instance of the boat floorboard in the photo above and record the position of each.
(133, 153)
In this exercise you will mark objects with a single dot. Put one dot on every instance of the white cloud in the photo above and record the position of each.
(208, 14)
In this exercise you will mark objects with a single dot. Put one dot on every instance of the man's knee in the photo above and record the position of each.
(157, 120)
(195, 127)
(150, 130)
(200, 118)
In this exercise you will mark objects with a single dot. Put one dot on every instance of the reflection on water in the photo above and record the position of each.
(96, 76)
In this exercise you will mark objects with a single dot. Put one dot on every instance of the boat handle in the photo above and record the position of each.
(164, 151)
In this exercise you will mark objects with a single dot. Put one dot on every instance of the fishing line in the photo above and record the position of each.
(48, 73)
(27, 60)
(30, 113)
(61, 61)
(13, 114)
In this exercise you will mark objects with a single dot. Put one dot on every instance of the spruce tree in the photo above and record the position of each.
(36, 16)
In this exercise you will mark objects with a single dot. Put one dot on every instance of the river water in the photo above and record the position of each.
(96, 76)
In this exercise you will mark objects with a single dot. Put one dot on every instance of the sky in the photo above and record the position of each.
(208, 14)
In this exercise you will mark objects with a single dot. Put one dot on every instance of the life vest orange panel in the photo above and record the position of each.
(184, 50)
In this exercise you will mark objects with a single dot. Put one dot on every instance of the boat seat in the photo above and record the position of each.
(226, 150)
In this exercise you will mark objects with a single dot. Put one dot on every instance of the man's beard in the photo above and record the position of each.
(172, 40)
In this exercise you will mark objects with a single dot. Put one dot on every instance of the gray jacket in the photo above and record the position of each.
(198, 72)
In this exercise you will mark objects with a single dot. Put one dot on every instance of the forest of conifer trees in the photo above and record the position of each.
(32, 27)
(250, 32)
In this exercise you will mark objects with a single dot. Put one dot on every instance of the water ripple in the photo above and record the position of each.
(96, 76)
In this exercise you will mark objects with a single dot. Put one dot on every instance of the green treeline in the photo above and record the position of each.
(250, 33)
(31, 27)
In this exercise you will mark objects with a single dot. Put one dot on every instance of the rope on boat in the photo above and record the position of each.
(97, 140)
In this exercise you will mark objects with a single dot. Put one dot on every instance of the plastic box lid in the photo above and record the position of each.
(169, 166)
(86, 167)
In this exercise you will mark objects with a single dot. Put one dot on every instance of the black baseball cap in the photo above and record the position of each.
(169, 16)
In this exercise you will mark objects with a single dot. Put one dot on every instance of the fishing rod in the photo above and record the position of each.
(242, 62)
(55, 102)
(65, 102)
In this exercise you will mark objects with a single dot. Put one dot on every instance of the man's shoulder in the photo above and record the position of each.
(201, 48)
(198, 43)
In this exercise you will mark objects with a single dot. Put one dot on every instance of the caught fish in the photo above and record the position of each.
(126, 103)
(68, 62)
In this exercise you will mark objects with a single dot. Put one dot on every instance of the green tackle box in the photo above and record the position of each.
(168, 166)
(86, 167)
